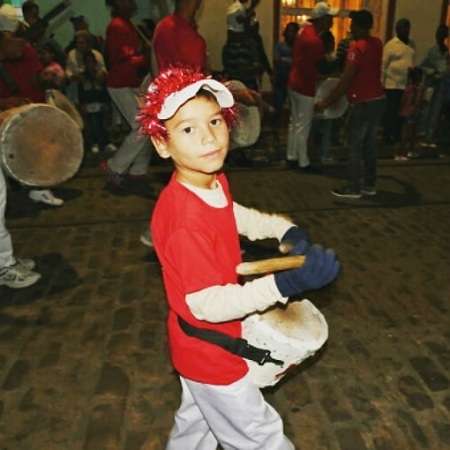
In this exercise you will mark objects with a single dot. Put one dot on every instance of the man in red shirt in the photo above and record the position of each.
(130, 162)
(189, 47)
(361, 81)
(308, 57)
(176, 42)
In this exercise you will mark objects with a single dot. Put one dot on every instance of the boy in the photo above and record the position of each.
(195, 227)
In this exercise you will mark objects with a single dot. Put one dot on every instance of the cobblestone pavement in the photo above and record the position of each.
(83, 358)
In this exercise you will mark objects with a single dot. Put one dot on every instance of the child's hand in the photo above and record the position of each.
(320, 268)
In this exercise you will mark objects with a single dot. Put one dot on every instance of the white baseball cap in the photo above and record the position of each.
(8, 18)
(322, 9)
(179, 98)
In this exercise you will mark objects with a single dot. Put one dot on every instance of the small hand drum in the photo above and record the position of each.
(338, 108)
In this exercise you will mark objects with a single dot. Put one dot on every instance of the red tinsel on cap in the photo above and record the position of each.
(166, 83)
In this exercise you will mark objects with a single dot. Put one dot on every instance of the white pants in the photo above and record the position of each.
(134, 154)
(302, 111)
(6, 250)
(236, 416)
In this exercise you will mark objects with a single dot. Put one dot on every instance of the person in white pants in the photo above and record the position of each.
(125, 60)
(14, 272)
(213, 424)
(133, 156)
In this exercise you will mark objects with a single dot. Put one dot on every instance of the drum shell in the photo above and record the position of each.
(291, 341)
(40, 145)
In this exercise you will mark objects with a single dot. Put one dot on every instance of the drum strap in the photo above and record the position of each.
(237, 346)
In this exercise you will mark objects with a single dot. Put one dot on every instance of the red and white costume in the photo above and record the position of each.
(195, 234)
(308, 49)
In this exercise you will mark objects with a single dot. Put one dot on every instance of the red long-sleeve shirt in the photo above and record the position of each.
(123, 60)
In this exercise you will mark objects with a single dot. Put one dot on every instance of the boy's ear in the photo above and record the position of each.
(161, 147)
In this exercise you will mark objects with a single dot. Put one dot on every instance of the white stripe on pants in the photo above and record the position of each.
(134, 154)
(236, 416)
(302, 111)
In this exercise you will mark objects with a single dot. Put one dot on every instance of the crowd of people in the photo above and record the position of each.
(384, 85)
(33, 64)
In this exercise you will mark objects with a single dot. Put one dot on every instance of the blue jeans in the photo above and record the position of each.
(431, 112)
(362, 126)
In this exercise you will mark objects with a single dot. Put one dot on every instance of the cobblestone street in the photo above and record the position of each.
(83, 357)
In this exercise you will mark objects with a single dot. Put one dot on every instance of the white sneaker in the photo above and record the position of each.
(111, 148)
(29, 264)
(95, 148)
(18, 276)
(45, 196)
(146, 238)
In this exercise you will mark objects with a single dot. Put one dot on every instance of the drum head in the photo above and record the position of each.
(39, 145)
(337, 109)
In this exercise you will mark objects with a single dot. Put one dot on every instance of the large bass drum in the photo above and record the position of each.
(40, 145)
(292, 334)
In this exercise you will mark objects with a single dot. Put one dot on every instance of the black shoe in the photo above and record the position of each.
(291, 163)
(389, 141)
(310, 169)
(346, 192)
(369, 190)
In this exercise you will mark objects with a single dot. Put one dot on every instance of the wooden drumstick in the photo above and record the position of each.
(269, 265)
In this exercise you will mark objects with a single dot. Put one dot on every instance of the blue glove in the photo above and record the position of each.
(292, 238)
(319, 269)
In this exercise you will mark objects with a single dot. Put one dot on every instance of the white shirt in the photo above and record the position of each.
(397, 58)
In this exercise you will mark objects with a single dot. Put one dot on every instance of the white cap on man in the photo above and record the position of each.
(322, 9)
(8, 18)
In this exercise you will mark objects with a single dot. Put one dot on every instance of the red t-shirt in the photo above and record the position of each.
(177, 42)
(308, 49)
(198, 247)
(366, 54)
(121, 47)
(21, 71)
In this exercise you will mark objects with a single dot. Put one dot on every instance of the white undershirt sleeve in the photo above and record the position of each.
(234, 301)
(254, 224)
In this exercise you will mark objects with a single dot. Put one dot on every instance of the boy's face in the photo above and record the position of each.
(198, 141)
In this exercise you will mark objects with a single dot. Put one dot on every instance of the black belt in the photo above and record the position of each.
(237, 346)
